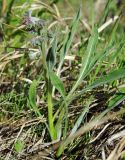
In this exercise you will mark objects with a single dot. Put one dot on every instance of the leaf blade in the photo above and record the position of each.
(87, 58)
(55, 80)
(32, 97)
(114, 75)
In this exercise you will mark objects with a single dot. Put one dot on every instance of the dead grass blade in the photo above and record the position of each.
(118, 151)
(87, 127)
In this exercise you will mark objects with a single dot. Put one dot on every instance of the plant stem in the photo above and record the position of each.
(50, 112)
(49, 93)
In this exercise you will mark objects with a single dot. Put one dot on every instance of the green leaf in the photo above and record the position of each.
(79, 120)
(87, 59)
(51, 56)
(32, 97)
(106, 12)
(91, 48)
(19, 146)
(114, 75)
(55, 80)
(58, 126)
(68, 39)
(116, 100)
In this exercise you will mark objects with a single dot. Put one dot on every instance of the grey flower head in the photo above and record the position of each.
(34, 54)
(32, 21)
(27, 18)
(36, 41)
(40, 23)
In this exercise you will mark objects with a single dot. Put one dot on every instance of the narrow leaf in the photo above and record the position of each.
(58, 126)
(69, 37)
(68, 40)
(87, 58)
(55, 80)
(90, 52)
(51, 56)
(80, 119)
(116, 100)
(32, 97)
(114, 75)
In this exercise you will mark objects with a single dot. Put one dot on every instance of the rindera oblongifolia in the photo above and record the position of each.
(37, 28)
